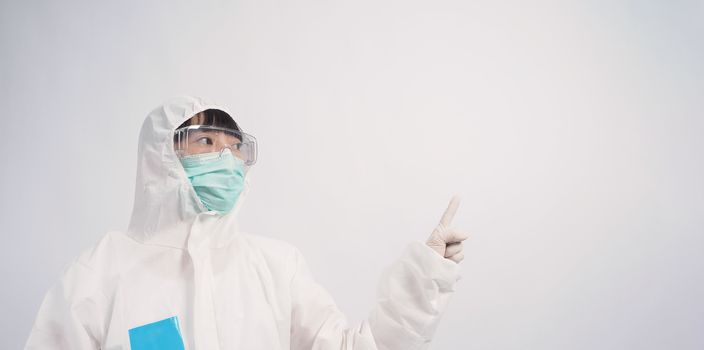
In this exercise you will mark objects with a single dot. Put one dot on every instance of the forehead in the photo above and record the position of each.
(198, 131)
(211, 132)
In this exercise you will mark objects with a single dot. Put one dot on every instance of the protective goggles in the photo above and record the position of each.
(199, 139)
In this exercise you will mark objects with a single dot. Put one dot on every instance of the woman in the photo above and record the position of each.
(184, 277)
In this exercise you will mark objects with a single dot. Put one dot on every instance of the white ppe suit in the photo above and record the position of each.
(229, 289)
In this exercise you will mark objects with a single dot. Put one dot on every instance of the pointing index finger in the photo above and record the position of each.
(450, 212)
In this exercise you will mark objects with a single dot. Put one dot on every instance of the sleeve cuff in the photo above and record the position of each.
(444, 272)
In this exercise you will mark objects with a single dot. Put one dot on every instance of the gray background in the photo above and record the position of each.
(573, 131)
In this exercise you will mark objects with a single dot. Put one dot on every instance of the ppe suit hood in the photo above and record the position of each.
(165, 204)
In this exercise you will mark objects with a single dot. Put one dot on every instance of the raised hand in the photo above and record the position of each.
(445, 240)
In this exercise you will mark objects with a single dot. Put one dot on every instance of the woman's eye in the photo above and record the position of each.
(204, 141)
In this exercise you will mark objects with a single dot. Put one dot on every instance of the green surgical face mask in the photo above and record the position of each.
(217, 179)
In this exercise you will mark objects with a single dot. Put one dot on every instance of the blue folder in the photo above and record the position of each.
(160, 335)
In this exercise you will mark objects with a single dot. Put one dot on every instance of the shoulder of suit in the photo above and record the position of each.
(268, 244)
(105, 252)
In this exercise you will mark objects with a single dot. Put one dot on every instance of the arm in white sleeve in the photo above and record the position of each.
(411, 296)
(67, 316)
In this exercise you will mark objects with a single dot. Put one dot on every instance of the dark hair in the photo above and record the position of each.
(214, 117)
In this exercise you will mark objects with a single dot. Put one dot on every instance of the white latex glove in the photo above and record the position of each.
(445, 240)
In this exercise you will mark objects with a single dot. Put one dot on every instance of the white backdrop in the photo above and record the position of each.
(573, 131)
